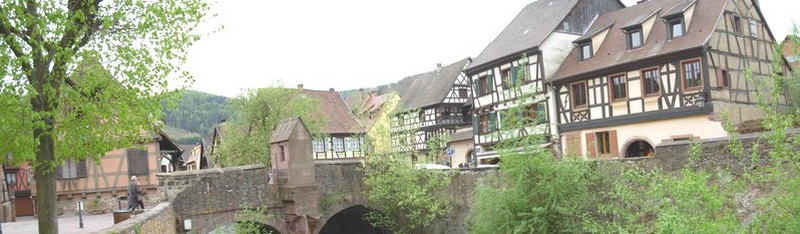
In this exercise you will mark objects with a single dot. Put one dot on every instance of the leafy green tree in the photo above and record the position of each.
(55, 109)
(406, 198)
(255, 114)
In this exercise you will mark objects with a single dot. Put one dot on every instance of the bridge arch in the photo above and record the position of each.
(350, 220)
(247, 227)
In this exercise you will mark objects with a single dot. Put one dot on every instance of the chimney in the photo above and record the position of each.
(438, 65)
(300, 87)
(331, 90)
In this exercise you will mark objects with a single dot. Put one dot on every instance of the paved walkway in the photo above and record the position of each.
(66, 225)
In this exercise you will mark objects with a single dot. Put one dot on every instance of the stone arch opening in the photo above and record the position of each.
(468, 158)
(350, 220)
(639, 148)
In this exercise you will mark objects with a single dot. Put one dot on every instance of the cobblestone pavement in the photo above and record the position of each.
(66, 225)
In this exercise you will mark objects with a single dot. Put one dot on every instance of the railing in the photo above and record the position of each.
(331, 155)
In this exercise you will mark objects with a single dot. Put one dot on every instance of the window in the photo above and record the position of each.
(619, 87)
(319, 145)
(137, 162)
(462, 93)
(485, 85)
(651, 79)
(737, 24)
(691, 75)
(11, 177)
(635, 38)
(283, 153)
(506, 77)
(536, 113)
(352, 144)
(723, 81)
(579, 95)
(676, 29)
(753, 28)
(603, 143)
(338, 144)
(586, 50)
(484, 123)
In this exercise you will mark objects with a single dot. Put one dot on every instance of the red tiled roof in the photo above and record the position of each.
(334, 107)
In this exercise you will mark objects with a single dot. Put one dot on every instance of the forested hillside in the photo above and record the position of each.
(197, 112)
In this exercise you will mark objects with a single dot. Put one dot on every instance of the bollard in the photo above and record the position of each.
(80, 214)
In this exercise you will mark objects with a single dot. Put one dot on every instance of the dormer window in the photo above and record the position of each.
(676, 29)
(586, 50)
(635, 38)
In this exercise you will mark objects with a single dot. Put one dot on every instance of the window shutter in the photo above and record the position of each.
(58, 172)
(591, 145)
(514, 76)
(81, 168)
(475, 127)
(492, 121)
(541, 113)
(490, 81)
(502, 121)
(477, 90)
(612, 138)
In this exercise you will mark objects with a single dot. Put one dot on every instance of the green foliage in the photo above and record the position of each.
(405, 197)
(539, 195)
(196, 112)
(256, 113)
(252, 220)
(80, 78)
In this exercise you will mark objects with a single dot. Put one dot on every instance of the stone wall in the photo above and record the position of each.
(160, 219)
(461, 197)
(340, 185)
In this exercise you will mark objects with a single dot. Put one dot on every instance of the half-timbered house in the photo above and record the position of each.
(511, 70)
(343, 135)
(661, 71)
(791, 51)
(432, 106)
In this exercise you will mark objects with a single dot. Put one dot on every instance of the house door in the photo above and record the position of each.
(23, 204)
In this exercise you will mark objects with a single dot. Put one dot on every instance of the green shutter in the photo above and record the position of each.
(541, 113)
(492, 121)
(477, 90)
(475, 127)
(502, 119)
(490, 80)
(514, 77)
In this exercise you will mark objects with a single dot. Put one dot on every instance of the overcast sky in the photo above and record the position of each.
(350, 44)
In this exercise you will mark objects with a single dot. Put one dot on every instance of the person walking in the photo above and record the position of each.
(133, 194)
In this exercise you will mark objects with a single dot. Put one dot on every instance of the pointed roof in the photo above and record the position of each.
(428, 88)
(528, 29)
(340, 120)
(283, 131)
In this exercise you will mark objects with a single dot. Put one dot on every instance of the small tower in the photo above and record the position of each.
(290, 149)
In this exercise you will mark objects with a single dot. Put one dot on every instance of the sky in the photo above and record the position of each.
(352, 44)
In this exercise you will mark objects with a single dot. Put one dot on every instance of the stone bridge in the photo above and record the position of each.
(217, 199)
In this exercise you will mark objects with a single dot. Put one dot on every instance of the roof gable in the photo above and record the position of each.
(527, 30)
(340, 120)
(428, 88)
(283, 131)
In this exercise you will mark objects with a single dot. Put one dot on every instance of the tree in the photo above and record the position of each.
(81, 77)
(256, 112)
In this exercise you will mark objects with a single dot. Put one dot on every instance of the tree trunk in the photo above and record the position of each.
(46, 182)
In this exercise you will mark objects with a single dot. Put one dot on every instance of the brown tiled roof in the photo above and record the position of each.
(528, 29)
(462, 134)
(284, 129)
(339, 118)
(613, 51)
(428, 88)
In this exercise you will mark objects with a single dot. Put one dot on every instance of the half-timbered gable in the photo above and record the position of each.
(432, 106)
(659, 71)
(511, 70)
(343, 135)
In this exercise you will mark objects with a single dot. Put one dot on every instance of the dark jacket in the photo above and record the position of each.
(133, 195)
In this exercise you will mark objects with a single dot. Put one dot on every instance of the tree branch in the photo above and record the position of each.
(9, 32)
